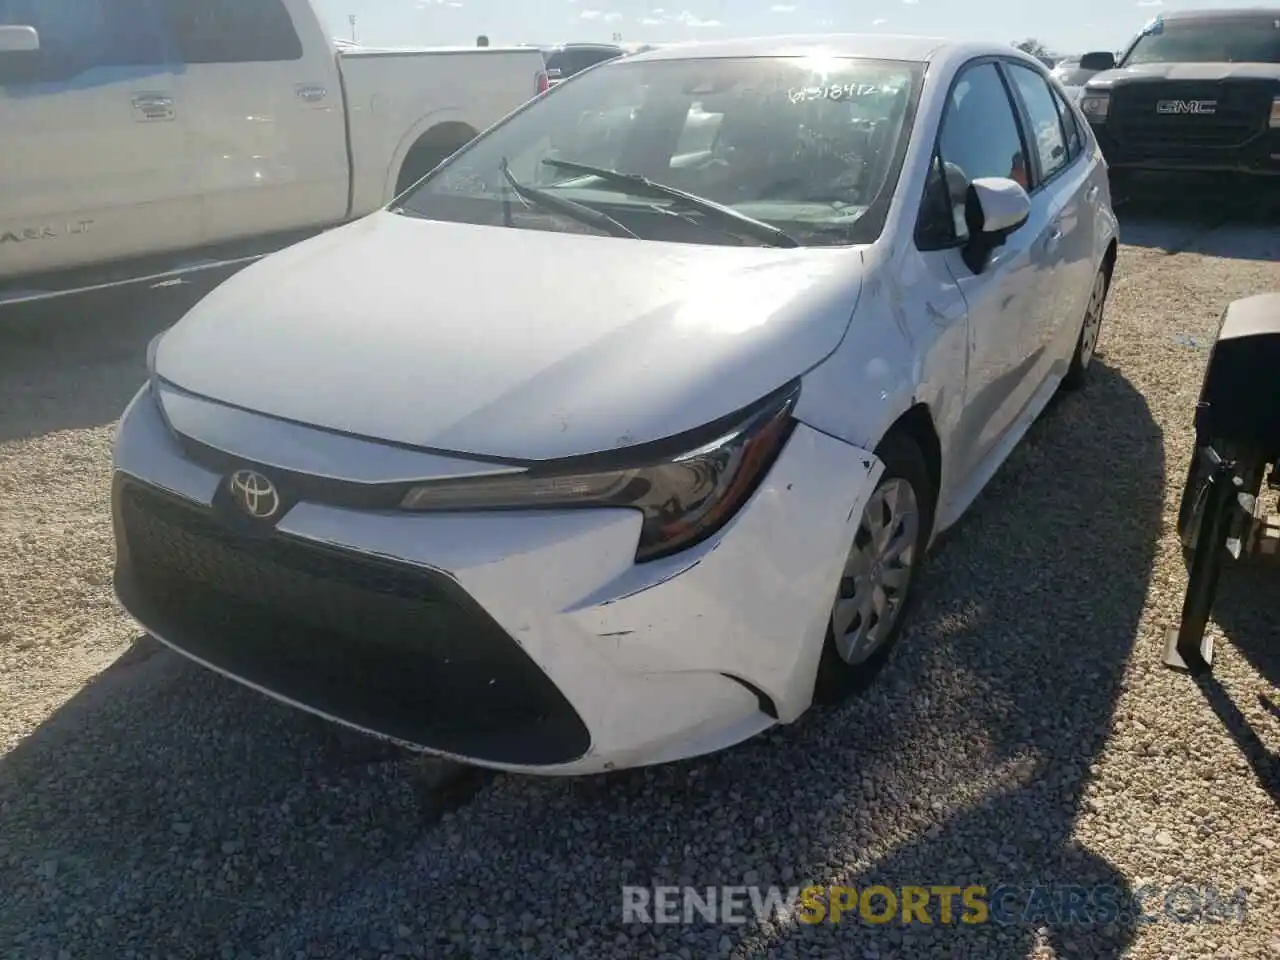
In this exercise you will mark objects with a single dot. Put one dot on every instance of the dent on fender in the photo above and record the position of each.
(868, 468)
(657, 583)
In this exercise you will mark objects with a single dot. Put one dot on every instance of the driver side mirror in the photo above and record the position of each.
(994, 208)
(1099, 60)
(19, 54)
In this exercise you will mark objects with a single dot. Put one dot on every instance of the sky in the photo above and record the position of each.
(1065, 26)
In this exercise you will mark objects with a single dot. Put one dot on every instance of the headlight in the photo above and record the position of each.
(684, 498)
(152, 347)
(1095, 106)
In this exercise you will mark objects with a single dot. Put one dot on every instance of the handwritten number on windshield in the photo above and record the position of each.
(834, 91)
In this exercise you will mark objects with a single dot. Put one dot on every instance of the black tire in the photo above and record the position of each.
(1082, 359)
(837, 679)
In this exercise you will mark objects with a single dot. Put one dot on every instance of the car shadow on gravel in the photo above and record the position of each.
(1021, 636)
(168, 811)
(1232, 221)
(967, 763)
(76, 362)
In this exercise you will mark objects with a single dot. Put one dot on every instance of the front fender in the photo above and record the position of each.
(906, 345)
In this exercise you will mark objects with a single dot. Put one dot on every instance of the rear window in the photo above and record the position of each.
(568, 62)
(1235, 40)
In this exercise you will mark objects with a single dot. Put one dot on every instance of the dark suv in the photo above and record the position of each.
(570, 58)
(1196, 91)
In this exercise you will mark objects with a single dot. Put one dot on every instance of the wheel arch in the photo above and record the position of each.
(431, 140)
(916, 424)
(1109, 258)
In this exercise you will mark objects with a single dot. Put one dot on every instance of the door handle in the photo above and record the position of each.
(153, 107)
(1052, 240)
(1091, 194)
(311, 92)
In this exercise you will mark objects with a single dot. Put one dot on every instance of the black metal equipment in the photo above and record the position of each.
(1187, 645)
(1220, 519)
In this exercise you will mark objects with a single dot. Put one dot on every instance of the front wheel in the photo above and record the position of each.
(1090, 329)
(872, 598)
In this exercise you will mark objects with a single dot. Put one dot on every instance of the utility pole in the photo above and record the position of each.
(351, 19)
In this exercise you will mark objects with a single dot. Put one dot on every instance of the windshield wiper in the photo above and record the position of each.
(643, 186)
(570, 208)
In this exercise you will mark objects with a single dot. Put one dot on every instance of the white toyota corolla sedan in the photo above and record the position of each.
(622, 435)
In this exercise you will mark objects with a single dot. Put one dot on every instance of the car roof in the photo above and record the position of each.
(586, 46)
(871, 45)
(1226, 13)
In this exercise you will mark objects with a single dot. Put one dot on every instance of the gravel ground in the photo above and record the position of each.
(1024, 731)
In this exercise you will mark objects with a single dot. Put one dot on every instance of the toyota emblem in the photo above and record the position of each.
(255, 494)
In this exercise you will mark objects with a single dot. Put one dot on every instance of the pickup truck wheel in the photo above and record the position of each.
(874, 593)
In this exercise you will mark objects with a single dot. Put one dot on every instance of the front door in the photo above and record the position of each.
(268, 128)
(1062, 188)
(981, 137)
(93, 150)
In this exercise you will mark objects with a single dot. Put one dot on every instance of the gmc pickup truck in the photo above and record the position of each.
(1196, 91)
(143, 139)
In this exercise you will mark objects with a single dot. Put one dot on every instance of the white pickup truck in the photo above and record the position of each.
(141, 139)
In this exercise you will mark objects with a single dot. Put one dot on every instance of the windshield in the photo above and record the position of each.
(808, 147)
(1239, 40)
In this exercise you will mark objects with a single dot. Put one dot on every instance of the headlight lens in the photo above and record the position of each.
(683, 498)
(152, 347)
(1095, 106)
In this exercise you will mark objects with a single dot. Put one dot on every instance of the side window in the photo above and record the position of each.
(232, 31)
(1046, 123)
(79, 36)
(571, 63)
(1070, 126)
(598, 56)
(979, 138)
(935, 227)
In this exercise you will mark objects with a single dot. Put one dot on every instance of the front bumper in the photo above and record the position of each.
(1259, 156)
(525, 641)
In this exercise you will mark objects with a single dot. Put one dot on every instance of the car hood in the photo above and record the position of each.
(1148, 72)
(510, 343)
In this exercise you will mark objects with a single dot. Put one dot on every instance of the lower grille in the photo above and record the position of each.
(393, 648)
